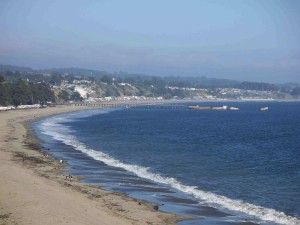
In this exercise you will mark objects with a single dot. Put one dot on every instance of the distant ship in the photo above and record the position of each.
(200, 107)
(212, 108)
(264, 108)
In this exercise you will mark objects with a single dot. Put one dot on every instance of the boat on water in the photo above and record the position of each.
(264, 108)
(224, 107)
(197, 107)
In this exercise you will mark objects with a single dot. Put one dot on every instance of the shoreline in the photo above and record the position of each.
(27, 178)
(34, 190)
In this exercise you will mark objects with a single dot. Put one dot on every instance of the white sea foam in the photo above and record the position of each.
(61, 133)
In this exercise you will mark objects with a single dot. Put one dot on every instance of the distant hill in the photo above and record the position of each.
(13, 68)
(203, 82)
(177, 81)
(187, 81)
(74, 71)
(50, 85)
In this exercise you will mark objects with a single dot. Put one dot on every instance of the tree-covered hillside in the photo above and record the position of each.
(22, 92)
(28, 86)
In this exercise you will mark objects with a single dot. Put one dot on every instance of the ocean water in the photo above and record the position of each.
(223, 167)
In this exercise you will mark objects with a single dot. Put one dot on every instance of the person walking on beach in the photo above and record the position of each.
(69, 178)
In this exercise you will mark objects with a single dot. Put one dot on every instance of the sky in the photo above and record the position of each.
(253, 40)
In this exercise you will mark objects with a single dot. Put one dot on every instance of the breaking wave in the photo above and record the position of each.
(53, 128)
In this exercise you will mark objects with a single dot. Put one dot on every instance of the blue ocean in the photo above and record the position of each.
(222, 167)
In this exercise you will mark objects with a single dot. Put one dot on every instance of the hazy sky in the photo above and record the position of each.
(256, 40)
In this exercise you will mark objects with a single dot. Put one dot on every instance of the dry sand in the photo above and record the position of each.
(33, 189)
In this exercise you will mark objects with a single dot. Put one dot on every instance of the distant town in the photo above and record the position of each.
(23, 87)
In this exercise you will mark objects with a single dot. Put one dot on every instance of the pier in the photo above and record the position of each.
(157, 106)
(130, 106)
(98, 105)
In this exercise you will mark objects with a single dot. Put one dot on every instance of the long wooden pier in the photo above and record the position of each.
(97, 105)
(129, 106)
(157, 106)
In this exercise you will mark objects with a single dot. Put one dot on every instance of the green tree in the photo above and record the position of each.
(1, 79)
(296, 92)
(112, 91)
(4, 95)
(106, 79)
(70, 78)
(42, 93)
(64, 95)
(76, 96)
(55, 79)
(21, 93)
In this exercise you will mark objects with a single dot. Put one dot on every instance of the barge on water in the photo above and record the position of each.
(197, 107)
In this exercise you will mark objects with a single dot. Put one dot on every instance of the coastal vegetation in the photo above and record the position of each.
(22, 85)
(23, 92)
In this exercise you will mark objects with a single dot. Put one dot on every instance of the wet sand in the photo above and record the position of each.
(33, 189)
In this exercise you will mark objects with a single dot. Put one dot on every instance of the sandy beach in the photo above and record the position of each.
(33, 189)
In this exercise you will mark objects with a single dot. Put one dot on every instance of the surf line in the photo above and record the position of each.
(52, 129)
